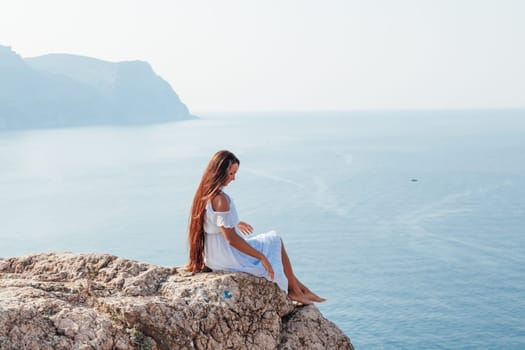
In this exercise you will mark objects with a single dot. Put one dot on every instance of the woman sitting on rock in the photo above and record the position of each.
(215, 239)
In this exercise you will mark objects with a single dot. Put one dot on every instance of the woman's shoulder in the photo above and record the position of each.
(220, 202)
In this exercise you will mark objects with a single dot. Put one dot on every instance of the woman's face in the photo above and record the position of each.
(232, 170)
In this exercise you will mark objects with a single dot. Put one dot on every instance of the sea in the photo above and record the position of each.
(411, 223)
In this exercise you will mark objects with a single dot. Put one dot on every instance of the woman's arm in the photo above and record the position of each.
(221, 204)
(240, 244)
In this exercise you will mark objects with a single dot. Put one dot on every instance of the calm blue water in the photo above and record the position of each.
(436, 263)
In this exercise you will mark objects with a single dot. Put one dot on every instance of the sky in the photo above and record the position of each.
(301, 55)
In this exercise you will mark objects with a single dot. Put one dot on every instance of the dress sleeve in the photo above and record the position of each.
(225, 219)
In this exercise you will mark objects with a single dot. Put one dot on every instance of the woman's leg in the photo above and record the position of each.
(296, 290)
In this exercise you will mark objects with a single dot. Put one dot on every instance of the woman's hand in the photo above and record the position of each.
(268, 267)
(245, 228)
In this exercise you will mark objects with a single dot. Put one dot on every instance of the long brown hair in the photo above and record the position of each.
(213, 178)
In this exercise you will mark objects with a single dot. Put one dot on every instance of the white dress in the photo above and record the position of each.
(221, 256)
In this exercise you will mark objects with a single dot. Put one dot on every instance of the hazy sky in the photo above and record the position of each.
(247, 55)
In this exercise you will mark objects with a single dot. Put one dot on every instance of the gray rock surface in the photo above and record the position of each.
(100, 301)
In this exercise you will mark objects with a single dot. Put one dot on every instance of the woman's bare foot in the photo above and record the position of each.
(299, 297)
(309, 294)
(314, 297)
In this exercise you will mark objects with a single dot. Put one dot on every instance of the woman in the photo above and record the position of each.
(215, 241)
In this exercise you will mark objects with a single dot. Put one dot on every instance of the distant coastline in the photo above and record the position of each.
(63, 90)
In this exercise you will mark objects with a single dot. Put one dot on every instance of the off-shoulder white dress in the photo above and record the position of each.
(221, 256)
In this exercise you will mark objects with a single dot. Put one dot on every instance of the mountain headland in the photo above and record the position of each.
(61, 90)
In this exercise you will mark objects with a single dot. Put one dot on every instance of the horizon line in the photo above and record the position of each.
(436, 109)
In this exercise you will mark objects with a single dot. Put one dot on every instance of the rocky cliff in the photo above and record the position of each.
(100, 301)
(59, 90)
